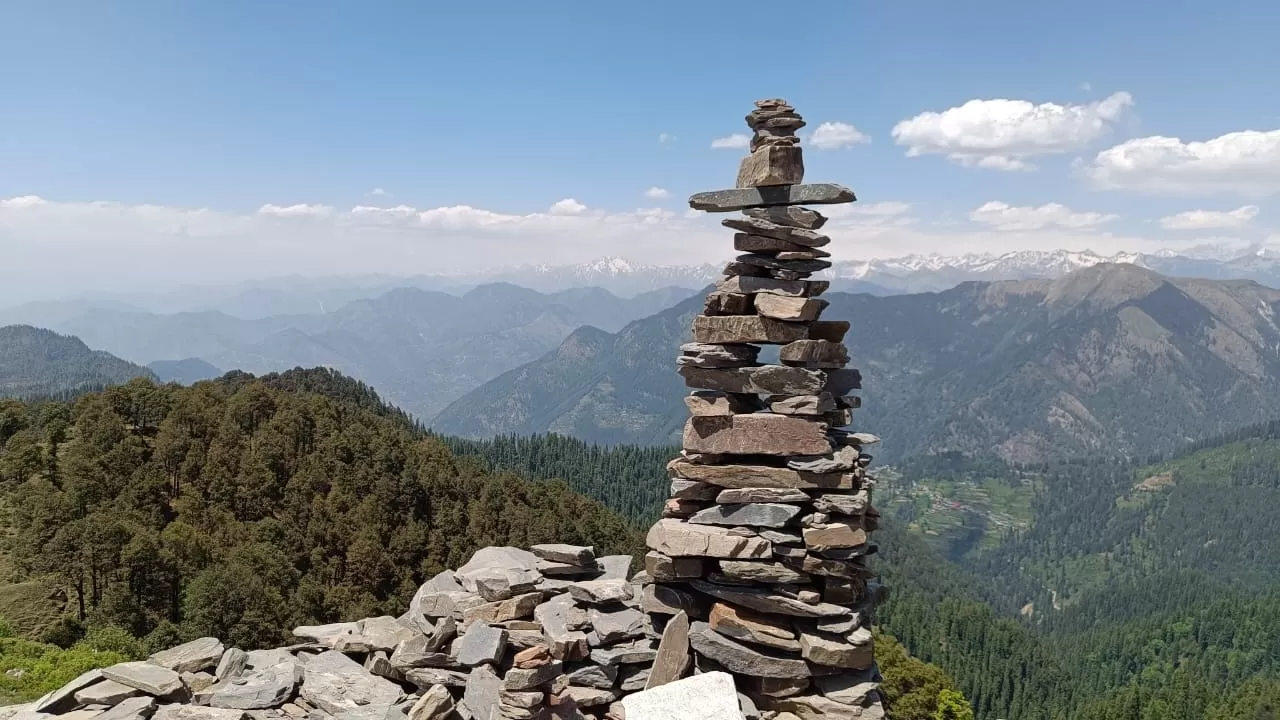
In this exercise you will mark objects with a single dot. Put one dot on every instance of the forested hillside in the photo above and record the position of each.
(35, 362)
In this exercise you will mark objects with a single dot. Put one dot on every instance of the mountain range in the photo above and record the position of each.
(35, 362)
(1114, 359)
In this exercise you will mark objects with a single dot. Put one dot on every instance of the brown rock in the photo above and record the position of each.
(810, 352)
(717, 356)
(748, 626)
(761, 495)
(748, 476)
(836, 536)
(762, 380)
(812, 254)
(772, 165)
(705, 403)
(831, 330)
(837, 651)
(675, 538)
(520, 606)
(791, 216)
(761, 434)
(763, 139)
(723, 303)
(791, 309)
(730, 329)
(820, 404)
(661, 567)
(770, 573)
(673, 652)
(533, 657)
(693, 490)
(677, 508)
(786, 233)
(791, 288)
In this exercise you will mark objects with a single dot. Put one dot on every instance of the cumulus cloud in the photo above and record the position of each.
(1245, 162)
(1003, 216)
(1004, 134)
(836, 135)
(568, 206)
(1210, 219)
(736, 141)
(657, 193)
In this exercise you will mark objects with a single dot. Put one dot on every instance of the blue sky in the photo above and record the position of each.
(199, 114)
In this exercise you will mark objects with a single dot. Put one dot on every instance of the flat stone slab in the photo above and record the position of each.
(748, 626)
(743, 198)
(261, 689)
(149, 678)
(498, 573)
(193, 656)
(789, 309)
(789, 216)
(748, 285)
(709, 696)
(673, 652)
(193, 712)
(767, 602)
(482, 643)
(334, 682)
(567, 554)
(106, 692)
(760, 434)
(763, 380)
(759, 476)
(763, 514)
(761, 495)
(64, 698)
(675, 538)
(328, 635)
(134, 708)
(742, 660)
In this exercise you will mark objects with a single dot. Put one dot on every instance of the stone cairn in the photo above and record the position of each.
(754, 604)
(763, 543)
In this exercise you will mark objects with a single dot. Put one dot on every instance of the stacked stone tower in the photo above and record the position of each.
(762, 547)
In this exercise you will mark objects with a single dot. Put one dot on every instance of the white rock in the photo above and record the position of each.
(710, 696)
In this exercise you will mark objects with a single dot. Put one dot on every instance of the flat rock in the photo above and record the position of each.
(105, 692)
(617, 624)
(737, 329)
(747, 626)
(835, 536)
(328, 635)
(600, 592)
(711, 402)
(742, 660)
(552, 569)
(567, 554)
(513, 608)
(762, 380)
(588, 696)
(498, 573)
(666, 600)
(374, 634)
(334, 682)
(789, 216)
(743, 198)
(709, 696)
(814, 352)
(836, 651)
(232, 663)
(770, 262)
(435, 704)
(614, 567)
(756, 476)
(762, 572)
(750, 515)
(759, 227)
(672, 658)
(562, 624)
(134, 708)
(528, 678)
(853, 688)
(759, 434)
(843, 459)
(426, 677)
(766, 601)
(791, 309)
(64, 698)
(592, 675)
(661, 567)
(193, 712)
(266, 688)
(723, 303)
(812, 707)
(746, 242)
(831, 330)
(483, 692)
(435, 597)
(633, 678)
(747, 285)
(145, 676)
(851, 504)
(481, 643)
(773, 164)
(197, 681)
(639, 651)
(190, 657)
(675, 538)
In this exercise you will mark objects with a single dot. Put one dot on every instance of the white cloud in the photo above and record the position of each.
(1086, 86)
(1003, 134)
(736, 141)
(1246, 162)
(836, 135)
(657, 193)
(295, 210)
(1003, 216)
(568, 206)
(23, 201)
(379, 192)
(664, 138)
(1210, 219)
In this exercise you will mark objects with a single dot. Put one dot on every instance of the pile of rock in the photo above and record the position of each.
(764, 540)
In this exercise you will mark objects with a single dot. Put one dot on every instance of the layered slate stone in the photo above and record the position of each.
(745, 476)
(814, 353)
(737, 329)
(790, 216)
(766, 228)
(746, 285)
(711, 402)
(772, 165)
(763, 380)
(742, 660)
(752, 627)
(190, 657)
(790, 309)
(759, 434)
(767, 601)
(674, 538)
(750, 514)
(743, 198)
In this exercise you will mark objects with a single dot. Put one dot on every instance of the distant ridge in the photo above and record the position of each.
(38, 362)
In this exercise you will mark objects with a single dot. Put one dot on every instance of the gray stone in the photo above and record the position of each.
(588, 696)
(190, 657)
(790, 309)
(592, 675)
(712, 402)
(197, 681)
(617, 624)
(560, 570)
(600, 592)
(769, 262)
(763, 380)
(734, 496)
(718, 303)
(692, 490)
(328, 635)
(372, 712)
(767, 601)
(482, 695)
(762, 572)
(743, 198)
(672, 658)
(513, 608)
(748, 626)
(790, 216)
(666, 600)
(614, 567)
(435, 704)
(759, 227)
(426, 677)
(567, 554)
(498, 573)
(266, 688)
(105, 692)
(742, 660)
(782, 537)
(232, 663)
(661, 567)
(772, 165)
(843, 459)
(192, 712)
(418, 652)
(853, 504)
(747, 285)
(750, 514)
(746, 242)
(482, 643)
(745, 476)
(376, 633)
(334, 682)
(88, 712)
(528, 678)
(562, 624)
(134, 708)
(378, 664)
(64, 698)
(760, 434)
(709, 696)
(849, 688)
(674, 538)
(435, 598)
(738, 329)
(145, 676)
(834, 536)
(257, 659)
(839, 651)
(639, 651)
(730, 355)
(811, 353)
